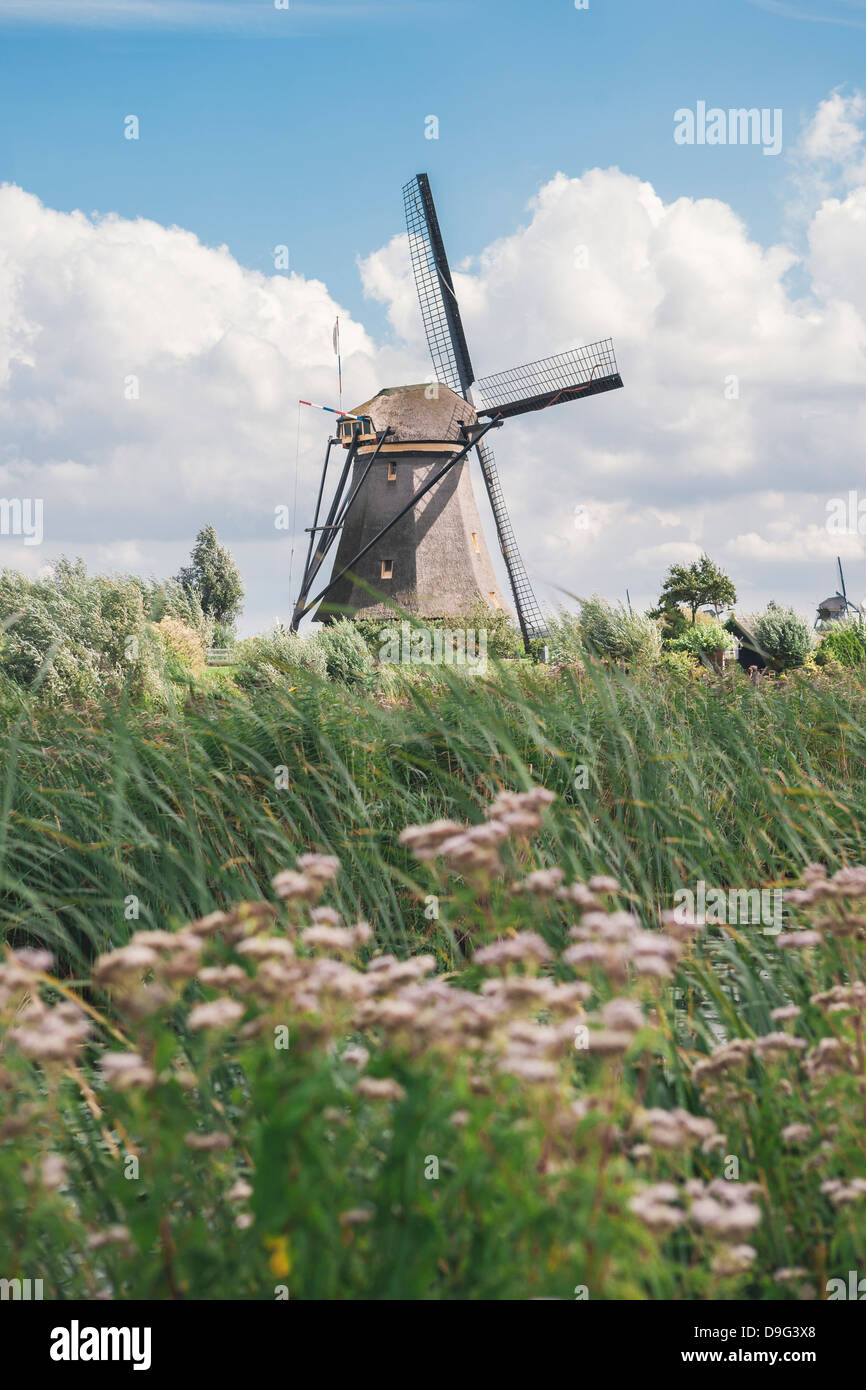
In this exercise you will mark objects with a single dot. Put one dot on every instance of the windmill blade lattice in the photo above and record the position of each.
(446, 340)
(439, 309)
(583, 371)
(528, 612)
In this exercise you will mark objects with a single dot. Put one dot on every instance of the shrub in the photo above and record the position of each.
(347, 656)
(394, 680)
(784, 637)
(704, 639)
(183, 647)
(845, 643)
(74, 637)
(278, 659)
(167, 598)
(678, 663)
(612, 631)
(504, 640)
(673, 620)
(565, 639)
(503, 635)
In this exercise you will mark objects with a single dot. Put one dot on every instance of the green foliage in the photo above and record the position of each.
(73, 637)
(213, 578)
(182, 810)
(783, 636)
(565, 637)
(704, 639)
(371, 628)
(347, 655)
(116, 820)
(503, 635)
(183, 648)
(278, 660)
(672, 620)
(167, 598)
(677, 663)
(697, 585)
(606, 630)
(252, 1105)
(844, 642)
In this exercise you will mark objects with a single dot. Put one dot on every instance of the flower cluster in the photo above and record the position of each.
(474, 849)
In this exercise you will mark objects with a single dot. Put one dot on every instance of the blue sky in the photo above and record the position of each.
(262, 126)
(300, 126)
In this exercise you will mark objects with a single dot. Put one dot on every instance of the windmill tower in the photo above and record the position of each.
(408, 524)
(435, 560)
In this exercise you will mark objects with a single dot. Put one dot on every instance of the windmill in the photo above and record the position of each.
(838, 605)
(408, 522)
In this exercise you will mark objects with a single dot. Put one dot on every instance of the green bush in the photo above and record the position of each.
(183, 647)
(278, 659)
(844, 642)
(782, 636)
(703, 639)
(610, 631)
(73, 637)
(678, 663)
(565, 638)
(504, 640)
(167, 598)
(347, 656)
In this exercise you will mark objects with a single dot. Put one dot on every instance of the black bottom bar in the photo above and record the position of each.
(241, 1338)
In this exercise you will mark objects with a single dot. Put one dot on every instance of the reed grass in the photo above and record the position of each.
(711, 780)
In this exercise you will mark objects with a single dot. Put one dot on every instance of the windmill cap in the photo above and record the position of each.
(427, 411)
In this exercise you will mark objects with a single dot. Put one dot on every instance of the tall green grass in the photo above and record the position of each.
(192, 810)
(185, 812)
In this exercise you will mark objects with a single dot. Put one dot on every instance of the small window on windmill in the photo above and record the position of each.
(475, 541)
(387, 569)
(392, 471)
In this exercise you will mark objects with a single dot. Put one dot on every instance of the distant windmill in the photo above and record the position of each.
(409, 526)
(838, 605)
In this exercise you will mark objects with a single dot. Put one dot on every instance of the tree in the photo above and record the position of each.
(783, 636)
(213, 577)
(697, 585)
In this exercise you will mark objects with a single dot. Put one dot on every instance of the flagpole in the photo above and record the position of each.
(339, 360)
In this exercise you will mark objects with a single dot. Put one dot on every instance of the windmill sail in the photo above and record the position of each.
(439, 308)
(446, 340)
(583, 371)
(528, 611)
